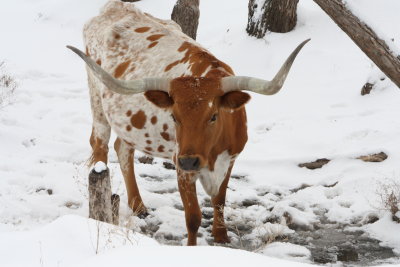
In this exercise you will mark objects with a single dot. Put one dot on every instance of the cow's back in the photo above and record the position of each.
(131, 44)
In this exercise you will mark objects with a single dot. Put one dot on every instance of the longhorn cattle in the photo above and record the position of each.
(165, 95)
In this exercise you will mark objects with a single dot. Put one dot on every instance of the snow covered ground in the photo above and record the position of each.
(319, 113)
(76, 241)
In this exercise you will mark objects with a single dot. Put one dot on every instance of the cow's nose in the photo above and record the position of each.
(189, 163)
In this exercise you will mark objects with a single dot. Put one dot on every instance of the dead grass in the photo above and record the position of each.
(389, 195)
(8, 85)
(271, 233)
(260, 235)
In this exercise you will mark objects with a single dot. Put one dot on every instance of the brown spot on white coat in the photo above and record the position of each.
(166, 136)
(155, 37)
(153, 44)
(121, 68)
(138, 119)
(142, 29)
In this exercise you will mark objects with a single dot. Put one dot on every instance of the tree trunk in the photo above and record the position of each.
(271, 15)
(364, 37)
(186, 13)
(100, 196)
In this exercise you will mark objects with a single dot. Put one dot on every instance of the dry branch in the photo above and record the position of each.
(364, 37)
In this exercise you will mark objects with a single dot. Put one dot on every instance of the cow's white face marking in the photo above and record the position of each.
(212, 180)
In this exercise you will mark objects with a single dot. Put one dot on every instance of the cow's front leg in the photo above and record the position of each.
(187, 189)
(219, 229)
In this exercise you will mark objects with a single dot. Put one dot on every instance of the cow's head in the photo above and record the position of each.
(198, 105)
(200, 109)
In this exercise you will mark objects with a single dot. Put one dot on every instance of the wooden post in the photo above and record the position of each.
(115, 208)
(364, 37)
(100, 196)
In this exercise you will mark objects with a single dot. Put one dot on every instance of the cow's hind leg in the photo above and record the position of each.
(125, 154)
(101, 130)
(99, 142)
(187, 189)
(219, 229)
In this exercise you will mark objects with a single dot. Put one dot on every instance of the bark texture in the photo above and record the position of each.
(365, 38)
(271, 15)
(100, 207)
(186, 13)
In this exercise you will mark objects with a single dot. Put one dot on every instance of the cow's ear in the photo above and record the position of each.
(234, 99)
(159, 98)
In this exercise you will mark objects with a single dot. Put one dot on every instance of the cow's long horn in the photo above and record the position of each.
(121, 86)
(236, 83)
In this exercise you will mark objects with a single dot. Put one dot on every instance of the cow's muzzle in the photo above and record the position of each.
(189, 163)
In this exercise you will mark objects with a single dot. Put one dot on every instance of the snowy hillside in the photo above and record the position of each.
(274, 208)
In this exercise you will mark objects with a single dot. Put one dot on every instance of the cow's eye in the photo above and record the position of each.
(214, 117)
(173, 118)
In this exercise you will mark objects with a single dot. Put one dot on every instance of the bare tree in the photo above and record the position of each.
(186, 13)
(364, 37)
(271, 15)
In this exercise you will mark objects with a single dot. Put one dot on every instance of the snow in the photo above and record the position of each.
(287, 250)
(184, 256)
(258, 11)
(387, 231)
(100, 166)
(44, 140)
(75, 241)
(66, 241)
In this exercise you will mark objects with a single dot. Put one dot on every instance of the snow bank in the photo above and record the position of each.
(73, 241)
(66, 241)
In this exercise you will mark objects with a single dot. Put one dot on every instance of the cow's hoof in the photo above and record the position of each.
(143, 215)
(222, 239)
(221, 236)
(140, 211)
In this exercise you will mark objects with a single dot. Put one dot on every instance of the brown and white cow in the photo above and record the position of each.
(165, 95)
